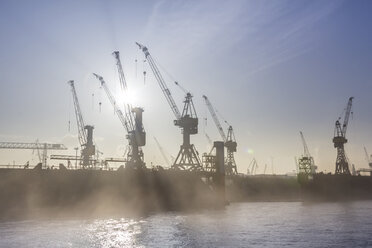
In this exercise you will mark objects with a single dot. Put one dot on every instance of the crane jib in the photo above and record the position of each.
(117, 110)
(215, 118)
(79, 116)
(161, 81)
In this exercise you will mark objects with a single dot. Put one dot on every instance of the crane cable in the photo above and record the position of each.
(144, 71)
(69, 114)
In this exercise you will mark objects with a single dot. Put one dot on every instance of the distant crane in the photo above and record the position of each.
(339, 140)
(252, 167)
(135, 137)
(368, 158)
(209, 139)
(88, 149)
(39, 146)
(306, 161)
(162, 152)
(228, 140)
(187, 158)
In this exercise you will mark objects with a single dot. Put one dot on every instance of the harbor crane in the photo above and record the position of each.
(85, 132)
(39, 146)
(133, 114)
(369, 161)
(306, 161)
(162, 152)
(187, 158)
(252, 167)
(368, 158)
(228, 140)
(339, 140)
(132, 122)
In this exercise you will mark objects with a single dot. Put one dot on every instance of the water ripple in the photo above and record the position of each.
(240, 225)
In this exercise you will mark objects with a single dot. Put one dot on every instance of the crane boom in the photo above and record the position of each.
(36, 145)
(347, 115)
(118, 112)
(161, 81)
(123, 84)
(215, 118)
(306, 149)
(368, 158)
(79, 116)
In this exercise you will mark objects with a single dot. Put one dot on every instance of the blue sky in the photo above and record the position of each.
(271, 68)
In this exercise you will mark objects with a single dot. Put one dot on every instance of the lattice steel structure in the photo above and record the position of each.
(339, 140)
(34, 146)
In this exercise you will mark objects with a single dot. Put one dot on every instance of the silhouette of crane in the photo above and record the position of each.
(306, 161)
(187, 158)
(339, 140)
(85, 137)
(135, 133)
(229, 140)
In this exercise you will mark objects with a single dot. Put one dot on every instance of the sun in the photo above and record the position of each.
(131, 97)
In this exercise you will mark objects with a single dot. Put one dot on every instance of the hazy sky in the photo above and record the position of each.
(271, 68)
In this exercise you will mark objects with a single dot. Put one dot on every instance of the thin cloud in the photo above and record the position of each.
(268, 32)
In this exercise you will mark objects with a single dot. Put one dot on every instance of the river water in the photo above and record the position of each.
(262, 224)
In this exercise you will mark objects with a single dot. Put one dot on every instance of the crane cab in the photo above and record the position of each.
(231, 145)
(188, 123)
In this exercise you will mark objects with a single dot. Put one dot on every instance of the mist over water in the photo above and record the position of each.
(261, 224)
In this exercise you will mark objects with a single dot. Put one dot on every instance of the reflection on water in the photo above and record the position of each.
(240, 225)
(113, 233)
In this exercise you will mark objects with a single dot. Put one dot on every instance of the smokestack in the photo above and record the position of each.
(220, 171)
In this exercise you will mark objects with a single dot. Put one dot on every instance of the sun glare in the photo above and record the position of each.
(131, 97)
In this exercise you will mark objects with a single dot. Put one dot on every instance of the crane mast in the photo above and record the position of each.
(339, 140)
(85, 137)
(135, 138)
(229, 140)
(231, 145)
(187, 158)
